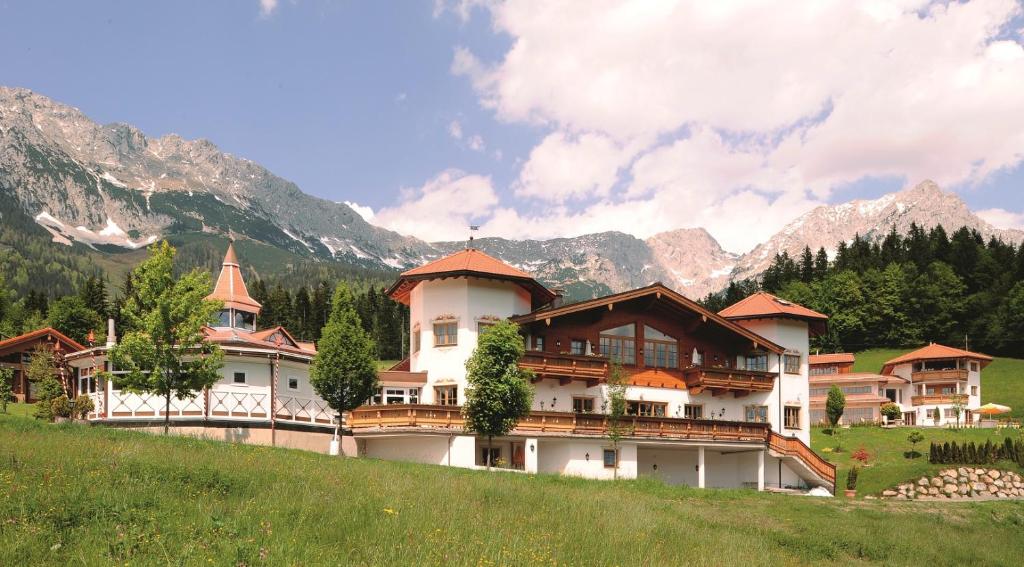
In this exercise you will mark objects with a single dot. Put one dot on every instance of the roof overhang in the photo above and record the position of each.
(401, 289)
(660, 291)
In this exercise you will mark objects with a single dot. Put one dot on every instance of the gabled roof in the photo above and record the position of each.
(834, 358)
(763, 304)
(659, 290)
(230, 287)
(468, 263)
(46, 333)
(259, 339)
(935, 352)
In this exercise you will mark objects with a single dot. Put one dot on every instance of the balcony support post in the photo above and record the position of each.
(700, 466)
(532, 455)
(760, 470)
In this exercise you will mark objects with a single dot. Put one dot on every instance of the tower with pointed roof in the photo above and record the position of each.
(240, 309)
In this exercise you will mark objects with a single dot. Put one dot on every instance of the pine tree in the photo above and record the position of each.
(807, 265)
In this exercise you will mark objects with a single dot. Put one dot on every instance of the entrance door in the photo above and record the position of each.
(910, 418)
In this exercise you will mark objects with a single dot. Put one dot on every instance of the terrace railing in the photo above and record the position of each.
(720, 380)
(568, 366)
(793, 447)
(303, 410)
(939, 375)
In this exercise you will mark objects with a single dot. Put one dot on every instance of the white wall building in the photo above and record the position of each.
(717, 400)
(263, 397)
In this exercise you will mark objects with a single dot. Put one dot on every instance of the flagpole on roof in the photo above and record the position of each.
(472, 228)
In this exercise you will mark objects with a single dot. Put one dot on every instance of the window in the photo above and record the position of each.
(974, 367)
(791, 363)
(245, 320)
(950, 413)
(818, 416)
(446, 334)
(396, 396)
(239, 378)
(482, 326)
(619, 343)
(693, 411)
(974, 390)
(293, 383)
(610, 459)
(649, 409)
(660, 350)
(577, 346)
(823, 370)
(583, 405)
(791, 415)
(941, 389)
(858, 415)
(495, 454)
(415, 341)
(224, 318)
(757, 361)
(538, 343)
(846, 390)
(757, 414)
(446, 395)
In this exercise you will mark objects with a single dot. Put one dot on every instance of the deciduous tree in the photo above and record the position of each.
(499, 392)
(166, 352)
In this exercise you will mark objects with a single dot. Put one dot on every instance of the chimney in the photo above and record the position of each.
(559, 298)
(111, 336)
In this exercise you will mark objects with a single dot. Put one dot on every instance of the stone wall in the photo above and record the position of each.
(962, 482)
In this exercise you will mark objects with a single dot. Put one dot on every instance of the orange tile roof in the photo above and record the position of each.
(253, 339)
(763, 304)
(230, 287)
(933, 352)
(468, 262)
(834, 358)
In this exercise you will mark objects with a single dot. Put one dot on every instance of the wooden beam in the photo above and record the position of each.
(564, 380)
(591, 382)
(716, 392)
(741, 393)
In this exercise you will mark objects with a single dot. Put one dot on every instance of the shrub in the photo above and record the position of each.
(972, 454)
(861, 455)
(891, 411)
(83, 405)
(914, 438)
(6, 392)
(60, 407)
(851, 478)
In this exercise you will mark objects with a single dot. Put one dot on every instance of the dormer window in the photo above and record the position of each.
(245, 320)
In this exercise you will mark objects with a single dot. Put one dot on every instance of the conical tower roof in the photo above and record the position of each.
(230, 287)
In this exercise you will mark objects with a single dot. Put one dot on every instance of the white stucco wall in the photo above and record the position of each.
(584, 458)
(456, 451)
(468, 301)
(790, 389)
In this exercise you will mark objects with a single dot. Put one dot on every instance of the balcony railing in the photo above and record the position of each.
(793, 447)
(566, 366)
(939, 375)
(929, 399)
(562, 422)
(721, 380)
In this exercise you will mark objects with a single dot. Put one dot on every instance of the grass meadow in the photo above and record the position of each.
(77, 495)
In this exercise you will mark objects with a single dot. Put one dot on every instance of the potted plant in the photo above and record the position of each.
(61, 408)
(851, 482)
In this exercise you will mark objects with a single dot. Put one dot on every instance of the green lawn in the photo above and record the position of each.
(889, 464)
(1002, 382)
(79, 495)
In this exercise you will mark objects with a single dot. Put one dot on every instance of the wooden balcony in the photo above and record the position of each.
(553, 422)
(932, 399)
(939, 375)
(723, 380)
(566, 367)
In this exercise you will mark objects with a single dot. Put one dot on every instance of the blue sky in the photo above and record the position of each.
(540, 120)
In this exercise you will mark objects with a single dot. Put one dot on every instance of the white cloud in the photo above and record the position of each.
(1002, 218)
(759, 105)
(362, 210)
(267, 7)
(442, 208)
(476, 143)
(455, 129)
(564, 167)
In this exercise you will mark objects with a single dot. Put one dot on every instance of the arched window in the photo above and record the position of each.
(619, 344)
(660, 350)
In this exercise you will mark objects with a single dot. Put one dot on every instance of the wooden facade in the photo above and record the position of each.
(688, 349)
(16, 352)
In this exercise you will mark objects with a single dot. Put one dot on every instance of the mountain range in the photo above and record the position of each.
(112, 188)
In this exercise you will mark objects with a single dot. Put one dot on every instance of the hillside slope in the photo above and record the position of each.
(98, 496)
